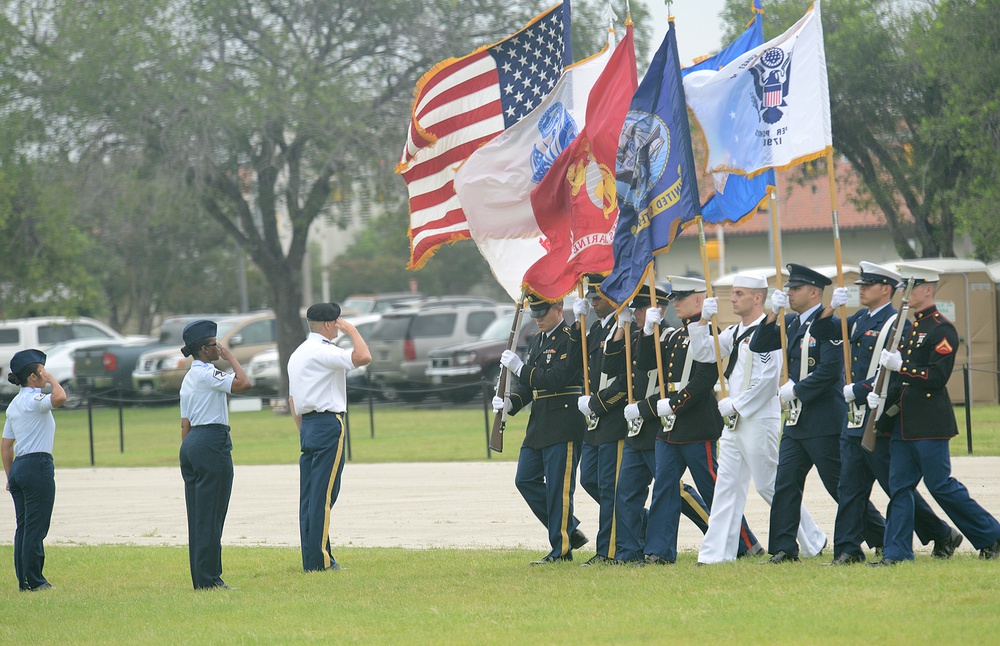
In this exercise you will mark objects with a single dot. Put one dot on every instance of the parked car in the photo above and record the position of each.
(402, 341)
(265, 373)
(102, 366)
(44, 333)
(473, 362)
(246, 335)
(362, 304)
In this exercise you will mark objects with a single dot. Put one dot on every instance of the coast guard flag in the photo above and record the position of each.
(575, 203)
(495, 183)
(657, 181)
(736, 196)
(770, 107)
(462, 103)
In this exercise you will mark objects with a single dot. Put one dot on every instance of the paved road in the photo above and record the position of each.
(464, 505)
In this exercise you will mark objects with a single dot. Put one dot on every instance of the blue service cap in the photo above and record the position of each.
(25, 358)
(802, 275)
(198, 330)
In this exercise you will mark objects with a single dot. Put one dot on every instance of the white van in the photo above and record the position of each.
(45, 331)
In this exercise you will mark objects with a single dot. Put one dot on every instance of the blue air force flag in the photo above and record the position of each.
(656, 181)
(768, 108)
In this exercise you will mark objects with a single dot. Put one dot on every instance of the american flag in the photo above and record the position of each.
(463, 103)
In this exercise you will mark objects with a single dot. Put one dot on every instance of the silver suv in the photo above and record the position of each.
(401, 343)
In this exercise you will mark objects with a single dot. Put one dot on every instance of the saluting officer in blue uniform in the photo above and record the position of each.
(814, 395)
(206, 448)
(920, 417)
(638, 460)
(870, 329)
(317, 386)
(550, 379)
(30, 429)
(602, 449)
(689, 421)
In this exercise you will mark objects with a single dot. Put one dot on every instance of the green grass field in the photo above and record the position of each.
(394, 596)
(402, 434)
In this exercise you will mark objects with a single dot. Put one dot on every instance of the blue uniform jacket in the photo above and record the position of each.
(609, 402)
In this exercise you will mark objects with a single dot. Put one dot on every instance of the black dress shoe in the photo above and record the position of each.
(597, 559)
(44, 586)
(846, 559)
(577, 539)
(545, 560)
(991, 551)
(653, 559)
(883, 563)
(944, 548)
(756, 550)
(781, 557)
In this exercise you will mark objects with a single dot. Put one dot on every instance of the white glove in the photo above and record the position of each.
(726, 407)
(779, 299)
(511, 361)
(653, 317)
(787, 392)
(501, 404)
(632, 412)
(663, 408)
(583, 403)
(891, 360)
(849, 393)
(839, 297)
(710, 308)
(873, 400)
(581, 307)
(625, 316)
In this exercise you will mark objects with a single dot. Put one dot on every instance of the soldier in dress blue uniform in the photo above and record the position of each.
(920, 417)
(870, 329)
(206, 448)
(814, 393)
(551, 379)
(638, 462)
(602, 448)
(691, 421)
(30, 428)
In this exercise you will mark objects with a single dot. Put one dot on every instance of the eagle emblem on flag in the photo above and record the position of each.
(771, 75)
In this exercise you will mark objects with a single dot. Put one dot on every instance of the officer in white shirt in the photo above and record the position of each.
(31, 481)
(206, 448)
(317, 385)
(749, 443)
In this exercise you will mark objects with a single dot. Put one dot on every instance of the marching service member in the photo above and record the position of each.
(814, 394)
(550, 379)
(749, 443)
(921, 419)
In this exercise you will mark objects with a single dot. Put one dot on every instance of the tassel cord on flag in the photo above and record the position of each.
(776, 235)
(840, 264)
(708, 294)
(661, 382)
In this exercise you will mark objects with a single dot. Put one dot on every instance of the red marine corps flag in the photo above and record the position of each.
(461, 104)
(576, 204)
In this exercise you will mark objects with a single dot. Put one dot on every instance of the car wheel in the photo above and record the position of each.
(390, 393)
(412, 396)
(73, 400)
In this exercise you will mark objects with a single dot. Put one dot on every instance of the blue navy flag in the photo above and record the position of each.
(736, 197)
(656, 180)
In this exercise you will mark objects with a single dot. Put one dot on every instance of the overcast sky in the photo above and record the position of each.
(699, 28)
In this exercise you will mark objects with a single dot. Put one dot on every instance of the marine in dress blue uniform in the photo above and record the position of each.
(29, 431)
(920, 416)
(692, 425)
(317, 386)
(550, 379)
(638, 462)
(810, 435)
(869, 329)
(206, 449)
(600, 462)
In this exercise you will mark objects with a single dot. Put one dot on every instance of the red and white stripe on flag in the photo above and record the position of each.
(460, 105)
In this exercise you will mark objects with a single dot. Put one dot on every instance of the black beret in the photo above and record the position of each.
(323, 312)
(25, 358)
(198, 330)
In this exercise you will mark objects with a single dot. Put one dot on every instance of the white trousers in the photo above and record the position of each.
(748, 451)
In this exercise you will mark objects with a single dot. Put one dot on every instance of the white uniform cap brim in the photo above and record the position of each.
(918, 272)
(685, 284)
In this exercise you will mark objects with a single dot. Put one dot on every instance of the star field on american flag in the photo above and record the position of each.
(529, 65)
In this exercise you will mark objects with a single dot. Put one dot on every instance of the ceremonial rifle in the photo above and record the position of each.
(882, 376)
(500, 419)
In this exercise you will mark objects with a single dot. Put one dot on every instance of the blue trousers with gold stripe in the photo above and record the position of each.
(320, 467)
(546, 479)
(599, 475)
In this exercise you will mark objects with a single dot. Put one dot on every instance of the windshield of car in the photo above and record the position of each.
(392, 328)
(359, 305)
(499, 329)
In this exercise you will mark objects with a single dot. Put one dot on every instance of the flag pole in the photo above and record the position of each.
(708, 294)
(840, 263)
(651, 275)
(583, 340)
(776, 234)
